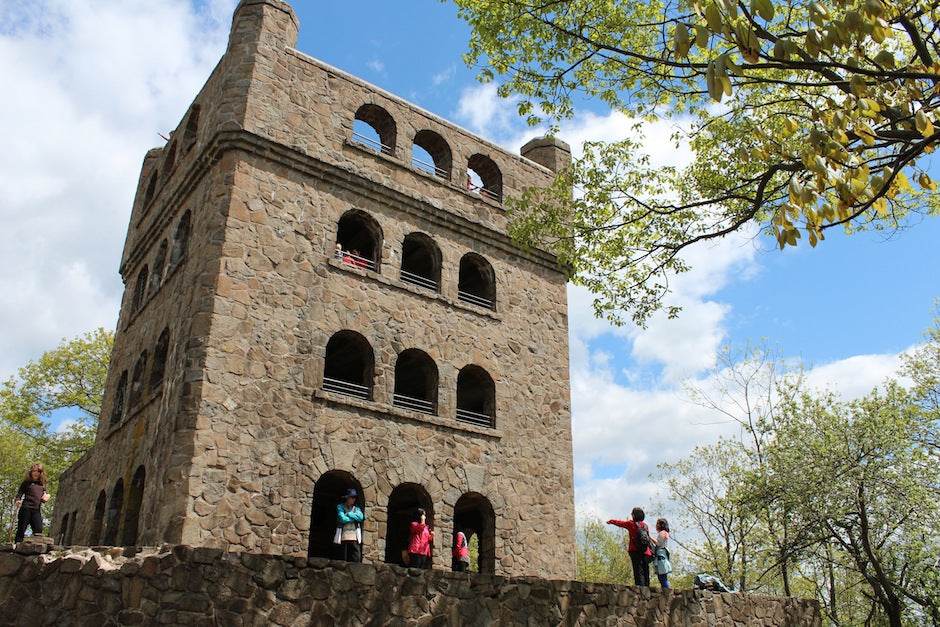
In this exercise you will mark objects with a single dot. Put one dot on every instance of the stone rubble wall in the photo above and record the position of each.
(182, 585)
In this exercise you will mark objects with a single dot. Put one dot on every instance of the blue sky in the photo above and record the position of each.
(92, 83)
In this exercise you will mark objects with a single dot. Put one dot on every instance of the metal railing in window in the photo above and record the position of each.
(346, 388)
(370, 143)
(430, 168)
(472, 417)
(482, 191)
(356, 261)
(414, 404)
(418, 280)
(473, 299)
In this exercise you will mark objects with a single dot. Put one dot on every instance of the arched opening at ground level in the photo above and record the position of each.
(327, 494)
(403, 507)
(473, 514)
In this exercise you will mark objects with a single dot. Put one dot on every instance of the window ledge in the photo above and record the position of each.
(152, 395)
(386, 411)
(417, 291)
(150, 295)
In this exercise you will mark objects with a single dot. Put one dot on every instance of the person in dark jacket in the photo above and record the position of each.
(29, 498)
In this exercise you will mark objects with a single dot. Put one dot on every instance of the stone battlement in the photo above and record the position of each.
(184, 585)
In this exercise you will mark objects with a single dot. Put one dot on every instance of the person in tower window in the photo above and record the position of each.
(419, 548)
(348, 538)
(461, 562)
(29, 498)
(640, 545)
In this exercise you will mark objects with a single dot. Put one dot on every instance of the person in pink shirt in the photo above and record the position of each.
(419, 548)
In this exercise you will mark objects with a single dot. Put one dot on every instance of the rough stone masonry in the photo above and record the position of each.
(183, 585)
(257, 375)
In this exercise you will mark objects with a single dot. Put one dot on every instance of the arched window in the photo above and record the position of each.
(137, 381)
(97, 522)
(114, 513)
(473, 514)
(170, 162)
(192, 129)
(64, 530)
(159, 360)
(350, 364)
(403, 506)
(120, 395)
(360, 237)
(375, 129)
(71, 530)
(180, 239)
(431, 153)
(135, 497)
(484, 177)
(416, 382)
(159, 265)
(151, 188)
(140, 289)
(476, 397)
(476, 284)
(327, 494)
(421, 262)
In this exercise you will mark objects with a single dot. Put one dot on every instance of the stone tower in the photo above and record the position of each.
(258, 372)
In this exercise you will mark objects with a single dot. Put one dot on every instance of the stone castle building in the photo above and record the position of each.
(258, 371)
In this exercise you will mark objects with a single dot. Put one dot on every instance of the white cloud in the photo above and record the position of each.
(482, 110)
(89, 85)
(444, 75)
(376, 66)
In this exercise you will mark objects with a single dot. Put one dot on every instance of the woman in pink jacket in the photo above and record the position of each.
(419, 548)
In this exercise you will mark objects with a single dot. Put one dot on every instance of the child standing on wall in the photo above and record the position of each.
(29, 498)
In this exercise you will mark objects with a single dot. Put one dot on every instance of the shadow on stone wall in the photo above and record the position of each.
(181, 585)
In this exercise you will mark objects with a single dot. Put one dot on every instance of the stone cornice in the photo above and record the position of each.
(256, 146)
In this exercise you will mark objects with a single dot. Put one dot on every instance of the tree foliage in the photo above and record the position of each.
(601, 554)
(821, 496)
(65, 385)
(827, 109)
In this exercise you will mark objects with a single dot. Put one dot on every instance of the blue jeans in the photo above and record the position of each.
(663, 580)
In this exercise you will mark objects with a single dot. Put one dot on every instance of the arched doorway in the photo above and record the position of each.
(473, 512)
(135, 498)
(327, 493)
(403, 505)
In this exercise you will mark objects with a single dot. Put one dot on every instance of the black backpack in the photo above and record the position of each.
(642, 540)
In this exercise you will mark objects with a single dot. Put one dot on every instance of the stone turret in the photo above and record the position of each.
(551, 152)
(263, 23)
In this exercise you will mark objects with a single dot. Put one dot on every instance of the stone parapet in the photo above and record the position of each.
(182, 585)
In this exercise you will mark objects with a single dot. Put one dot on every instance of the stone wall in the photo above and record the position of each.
(234, 445)
(183, 585)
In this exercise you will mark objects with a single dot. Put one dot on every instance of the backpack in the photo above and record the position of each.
(642, 540)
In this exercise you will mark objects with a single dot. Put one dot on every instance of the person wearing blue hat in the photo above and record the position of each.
(348, 539)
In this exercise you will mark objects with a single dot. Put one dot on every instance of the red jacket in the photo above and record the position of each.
(461, 548)
(421, 537)
(631, 526)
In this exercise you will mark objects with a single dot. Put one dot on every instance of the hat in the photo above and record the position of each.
(351, 492)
